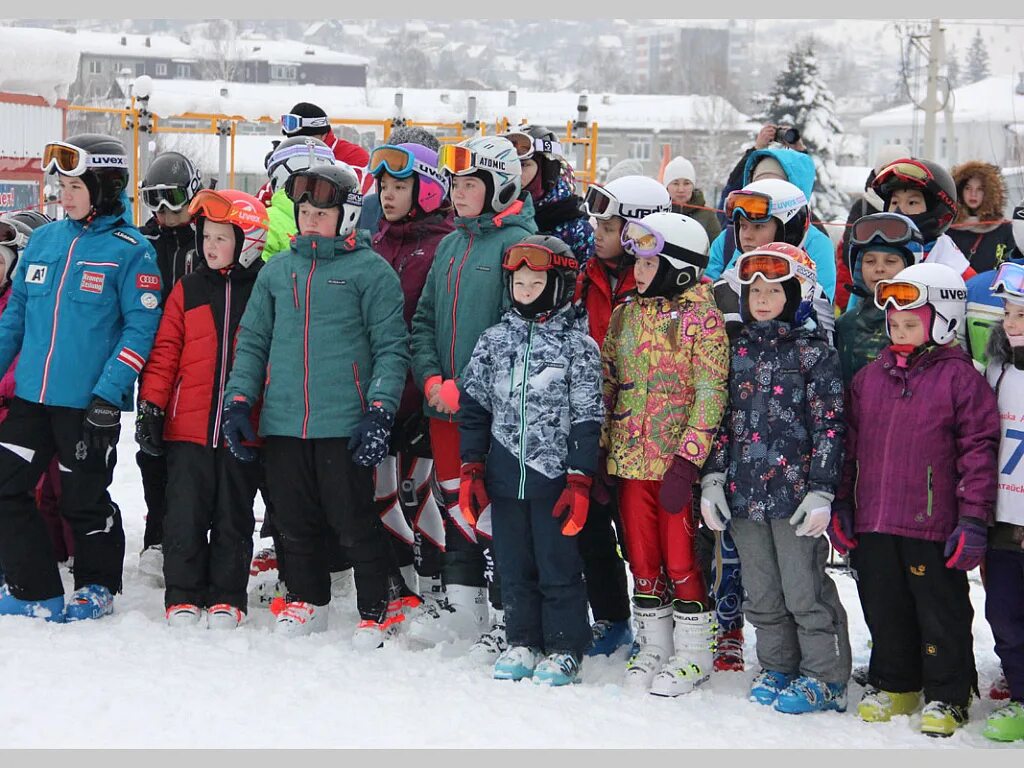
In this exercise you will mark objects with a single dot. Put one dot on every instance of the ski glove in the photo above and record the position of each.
(966, 546)
(603, 485)
(813, 514)
(450, 395)
(840, 529)
(372, 437)
(472, 491)
(572, 506)
(676, 492)
(102, 426)
(149, 428)
(236, 421)
(714, 507)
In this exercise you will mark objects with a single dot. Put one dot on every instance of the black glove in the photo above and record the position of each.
(149, 428)
(372, 435)
(102, 426)
(236, 421)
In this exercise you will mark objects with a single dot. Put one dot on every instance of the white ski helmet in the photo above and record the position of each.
(928, 285)
(768, 199)
(296, 154)
(628, 197)
(493, 159)
(680, 243)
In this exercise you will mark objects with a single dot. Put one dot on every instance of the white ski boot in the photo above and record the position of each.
(299, 618)
(654, 638)
(694, 657)
(183, 615)
(462, 616)
(491, 643)
(224, 616)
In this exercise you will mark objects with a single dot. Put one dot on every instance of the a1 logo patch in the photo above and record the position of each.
(36, 274)
(146, 282)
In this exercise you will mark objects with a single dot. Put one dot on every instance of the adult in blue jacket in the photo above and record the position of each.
(83, 312)
(798, 169)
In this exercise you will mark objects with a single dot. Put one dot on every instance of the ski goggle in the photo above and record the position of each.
(401, 163)
(1018, 213)
(904, 170)
(645, 242)
(319, 192)
(458, 161)
(164, 196)
(212, 205)
(292, 123)
(603, 205)
(536, 257)
(526, 145)
(771, 267)
(754, 206)
(906, 294)
(889, 228)
(70, 160)
(12, 236)
(1009, 280)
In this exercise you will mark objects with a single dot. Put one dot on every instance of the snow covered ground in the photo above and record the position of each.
(130, 681)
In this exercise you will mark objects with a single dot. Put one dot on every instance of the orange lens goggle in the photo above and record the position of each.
(771, 268)
(215, 207)
(754, 206)
(899, 294)
(455, 159)
(63, 158)
(536, 257)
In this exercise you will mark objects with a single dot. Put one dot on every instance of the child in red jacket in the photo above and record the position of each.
(210, 490)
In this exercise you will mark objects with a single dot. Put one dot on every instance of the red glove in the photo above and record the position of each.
(572, 506)
(450, 395)
(676, 492)
(429, 384)
(472, 491)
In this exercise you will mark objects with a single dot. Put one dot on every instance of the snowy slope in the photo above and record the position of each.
(129, 681)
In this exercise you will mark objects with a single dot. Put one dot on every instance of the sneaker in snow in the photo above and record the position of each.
(151, 564)
(557, 669)
(183, 615)
(93, 601)
(941, 719)
(1006, 723)
(51, 609)
(516, 663)
(264, 560)
(224, 616)
(806, 694)
(877, 706)
(491, 644)
(265, 592)
(767, 686)
(1000, 689)
(729, 653)
(296, 618)
(610, 636)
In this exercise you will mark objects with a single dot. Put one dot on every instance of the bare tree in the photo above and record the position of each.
(717, 144)
(222, 55)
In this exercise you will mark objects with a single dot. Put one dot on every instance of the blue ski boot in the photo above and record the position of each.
(805, 694)
(610, 636)
(89, 602)
(51, 609)
(516, 663)
(557, 669)
(768, 685)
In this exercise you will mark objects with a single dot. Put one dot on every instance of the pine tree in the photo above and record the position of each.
(977, 60)
(953, 73)
(801, 98)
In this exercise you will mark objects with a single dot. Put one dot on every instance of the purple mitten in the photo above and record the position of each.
(677, 485)
(966, 546)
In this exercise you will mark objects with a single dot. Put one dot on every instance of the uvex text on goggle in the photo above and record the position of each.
(459, 160)
(70, 160)
(292, 123)
(536, 257)
(526, 145)
(603, 205)
(211, 204)
(886, 227)
(757, 206)
(1009, 280)
(772, 267)
(906, 294)
(645, 242)
(401, 163)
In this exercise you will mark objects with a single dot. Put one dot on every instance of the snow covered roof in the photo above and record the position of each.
(42, 62)
(294, 52)
(992, 100)
(110, 44)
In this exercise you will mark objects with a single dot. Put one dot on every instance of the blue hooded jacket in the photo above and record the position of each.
(799, 169)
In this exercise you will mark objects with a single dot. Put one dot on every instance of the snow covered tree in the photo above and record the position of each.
(953, 73)
(801, 98)
(977, 60)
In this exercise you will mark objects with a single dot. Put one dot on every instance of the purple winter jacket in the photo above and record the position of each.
(921, 445)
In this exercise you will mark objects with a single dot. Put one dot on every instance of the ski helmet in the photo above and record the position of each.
(935, 286)
(15, 231)
(1018, 227)
(779, 263)
(493, 160)
(891, 232)
(171, 181)
(328, 186)
(430, 186)
(933, 181)
(628, 197)
(543, 253)
(32, 219)
(767, 199)
(1008, 284)
(680, 243)
(296, 154)
(243, 211)
(100, 161)
(535, 142)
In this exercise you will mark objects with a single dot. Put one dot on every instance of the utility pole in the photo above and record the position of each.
(931, 99)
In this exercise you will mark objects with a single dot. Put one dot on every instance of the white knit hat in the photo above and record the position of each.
(679, 168)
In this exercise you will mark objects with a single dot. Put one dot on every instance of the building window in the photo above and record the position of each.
(161, 69)
(282, 72)
(640, 148)
(140, 68)
(183, 71)
(95, 67)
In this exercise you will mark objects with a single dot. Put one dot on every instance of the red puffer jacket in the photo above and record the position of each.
(594, 289)
(193, 352)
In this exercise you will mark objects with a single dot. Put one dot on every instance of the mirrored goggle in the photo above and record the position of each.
(640, 240)
(292, 123)
(599, 203)
(319, 192)
(70, 160)
(536, 257)
(455, 159)
(1009, 280)
(396, 161)
(212, 205)
(900, 294)
(889, 229)
(770, 267)
(526, 145)
(171, 198)
(754, 206)
(11, 235)
(907, 170)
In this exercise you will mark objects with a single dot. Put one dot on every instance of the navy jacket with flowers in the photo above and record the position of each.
(782, 435)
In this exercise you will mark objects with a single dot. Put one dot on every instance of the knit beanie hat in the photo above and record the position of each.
(305, 109)
(411, 134)
(768, 167)
(622, 168)
(679, 168)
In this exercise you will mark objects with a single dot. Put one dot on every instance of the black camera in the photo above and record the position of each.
(786, 135)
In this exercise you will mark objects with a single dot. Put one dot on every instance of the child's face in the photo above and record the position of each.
(906, 328)
(754, 235)
(468, 195)
(529, 171)
(644, 272)
(974, 193)
(218, 244)
(680, 190)
(1013, 319)
(879, 265)
(318, 221)
(395, 196)
(608, 238)
(74, 197)
(527, 285)
(909, 202)
(172, 219)
(767, 300)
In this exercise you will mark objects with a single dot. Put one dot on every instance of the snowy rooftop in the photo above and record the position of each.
(992, 100)
(42, 62)
(137, 46)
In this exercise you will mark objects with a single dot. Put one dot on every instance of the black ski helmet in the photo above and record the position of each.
(935, 183)
(347, 194)
(561, 284)
(105, 185)
(170, 172)
(549, 162)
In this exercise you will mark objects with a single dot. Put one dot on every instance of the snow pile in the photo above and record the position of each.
(40, 62)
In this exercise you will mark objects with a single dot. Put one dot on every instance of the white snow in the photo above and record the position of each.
(136, 46)
(40, 62)
(130, 681)
(992, 100)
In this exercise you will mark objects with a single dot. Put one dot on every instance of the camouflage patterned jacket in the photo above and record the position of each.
(666, 368)
(531, 403)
